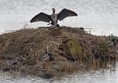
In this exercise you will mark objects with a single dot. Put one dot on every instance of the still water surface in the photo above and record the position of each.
(100, 15)
(104, 73)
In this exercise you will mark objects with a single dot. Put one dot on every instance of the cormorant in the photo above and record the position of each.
(54, 17)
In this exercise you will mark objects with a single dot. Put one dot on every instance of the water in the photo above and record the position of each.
(105, 73)
(100, 15)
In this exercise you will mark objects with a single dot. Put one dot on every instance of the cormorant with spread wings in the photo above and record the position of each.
(54, 17)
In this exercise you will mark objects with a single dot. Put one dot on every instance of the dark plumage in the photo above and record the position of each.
(54, 17)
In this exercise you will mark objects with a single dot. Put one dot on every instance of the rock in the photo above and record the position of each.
(47, 76)
(110, 44)
(72, 48)
(48, 57)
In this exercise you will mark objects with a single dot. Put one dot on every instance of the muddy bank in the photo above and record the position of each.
(53, 52)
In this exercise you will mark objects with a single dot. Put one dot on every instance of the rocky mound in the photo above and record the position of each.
(51, 52)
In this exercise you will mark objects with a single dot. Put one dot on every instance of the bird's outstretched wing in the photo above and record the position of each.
(41, 17)
(65, 13)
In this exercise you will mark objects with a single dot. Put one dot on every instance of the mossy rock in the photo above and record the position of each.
(73, 48)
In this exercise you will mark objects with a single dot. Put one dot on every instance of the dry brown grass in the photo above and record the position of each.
(22, 50)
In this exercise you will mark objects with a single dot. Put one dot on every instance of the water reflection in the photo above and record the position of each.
(97, 65)
(97, 72)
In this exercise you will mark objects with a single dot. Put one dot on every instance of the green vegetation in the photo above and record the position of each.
(103, 46)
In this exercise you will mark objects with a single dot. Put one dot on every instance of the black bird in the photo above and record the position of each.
(54, 17)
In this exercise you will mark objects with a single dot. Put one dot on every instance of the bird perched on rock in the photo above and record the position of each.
(53, 18)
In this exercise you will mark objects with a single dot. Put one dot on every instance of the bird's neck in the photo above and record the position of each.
(53, 13)
(54, 18)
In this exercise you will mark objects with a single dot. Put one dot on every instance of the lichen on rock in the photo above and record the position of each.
(72, 48)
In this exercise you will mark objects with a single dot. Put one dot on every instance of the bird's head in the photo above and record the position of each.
(53, 10)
